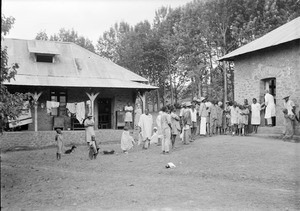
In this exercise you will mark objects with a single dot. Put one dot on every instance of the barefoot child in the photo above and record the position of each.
(127, 140)
(59, 139)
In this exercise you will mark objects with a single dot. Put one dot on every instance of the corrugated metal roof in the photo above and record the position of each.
(74, 66)
(42, 47)
(30, 80)
(285, 33)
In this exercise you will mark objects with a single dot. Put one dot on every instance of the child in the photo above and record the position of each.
(245, 112)
(234, 117)
(127, 140)
(219, 124)
(59, 139)
(154, 137)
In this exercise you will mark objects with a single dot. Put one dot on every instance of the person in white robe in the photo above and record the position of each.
(159, 130)
(145, 125)
(270, 107)
(154, 137)
(127, 140)
(137, 114)
(255, 114)
(203, 115)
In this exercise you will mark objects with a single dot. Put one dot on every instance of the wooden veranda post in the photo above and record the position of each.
(36, 97)
(92, 98)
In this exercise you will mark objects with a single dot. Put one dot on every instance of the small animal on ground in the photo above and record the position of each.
(69, 151)
(108, 152)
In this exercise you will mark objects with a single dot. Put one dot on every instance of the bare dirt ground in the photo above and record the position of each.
(218, 173)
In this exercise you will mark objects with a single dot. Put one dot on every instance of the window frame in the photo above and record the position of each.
(57, 93)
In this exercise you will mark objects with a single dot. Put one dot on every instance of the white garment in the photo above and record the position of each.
(50, 105)
(71, 107)
(194, 115)
(158, 122)
(270, 109)
(128, 115)
(80, 112)
(289, 106)
(154, 138)
(255, 114)
(203, 126)
(126, 141)
(145, 124)
(182, 110)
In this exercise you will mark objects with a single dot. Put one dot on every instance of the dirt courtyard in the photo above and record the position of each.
(217, 173)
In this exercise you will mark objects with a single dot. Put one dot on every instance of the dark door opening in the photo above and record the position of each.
(267, 84)
(104, 106)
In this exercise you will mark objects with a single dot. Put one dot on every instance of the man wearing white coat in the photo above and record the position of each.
(270, 107)
(145, 124)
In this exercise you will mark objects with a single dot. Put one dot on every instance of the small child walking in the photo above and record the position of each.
(59, 140)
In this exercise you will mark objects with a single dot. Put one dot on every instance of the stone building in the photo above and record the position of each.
(66, 73)
(270, 62)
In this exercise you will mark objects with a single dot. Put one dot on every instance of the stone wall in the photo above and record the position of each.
(281, 62)
(40, 139)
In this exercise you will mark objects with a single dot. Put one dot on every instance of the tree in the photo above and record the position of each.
(67, 36)
(11, 105)
(42, 35)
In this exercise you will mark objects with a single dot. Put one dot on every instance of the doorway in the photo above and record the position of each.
(267, 84)
(104, 111)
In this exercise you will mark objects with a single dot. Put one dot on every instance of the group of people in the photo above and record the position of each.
(202, 117)
(206, 117)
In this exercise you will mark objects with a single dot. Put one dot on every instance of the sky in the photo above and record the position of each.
(90, 18)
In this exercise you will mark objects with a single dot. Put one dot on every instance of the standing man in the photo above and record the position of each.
(270, 108)
(290, 106)
(291, 112)
(194, 121)
(166, 130)
(248, 127)
(203, 115)
(89, 130)
(187, 122)
(145, 125)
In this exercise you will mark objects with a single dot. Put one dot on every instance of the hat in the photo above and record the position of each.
(286, 97)
(202, 98)
(220, 103)
(187, 104)
(89, 115)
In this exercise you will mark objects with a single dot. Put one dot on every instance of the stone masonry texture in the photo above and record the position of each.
(282, 63)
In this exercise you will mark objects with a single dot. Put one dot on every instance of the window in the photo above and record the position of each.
(44, 58)
(61, 97)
